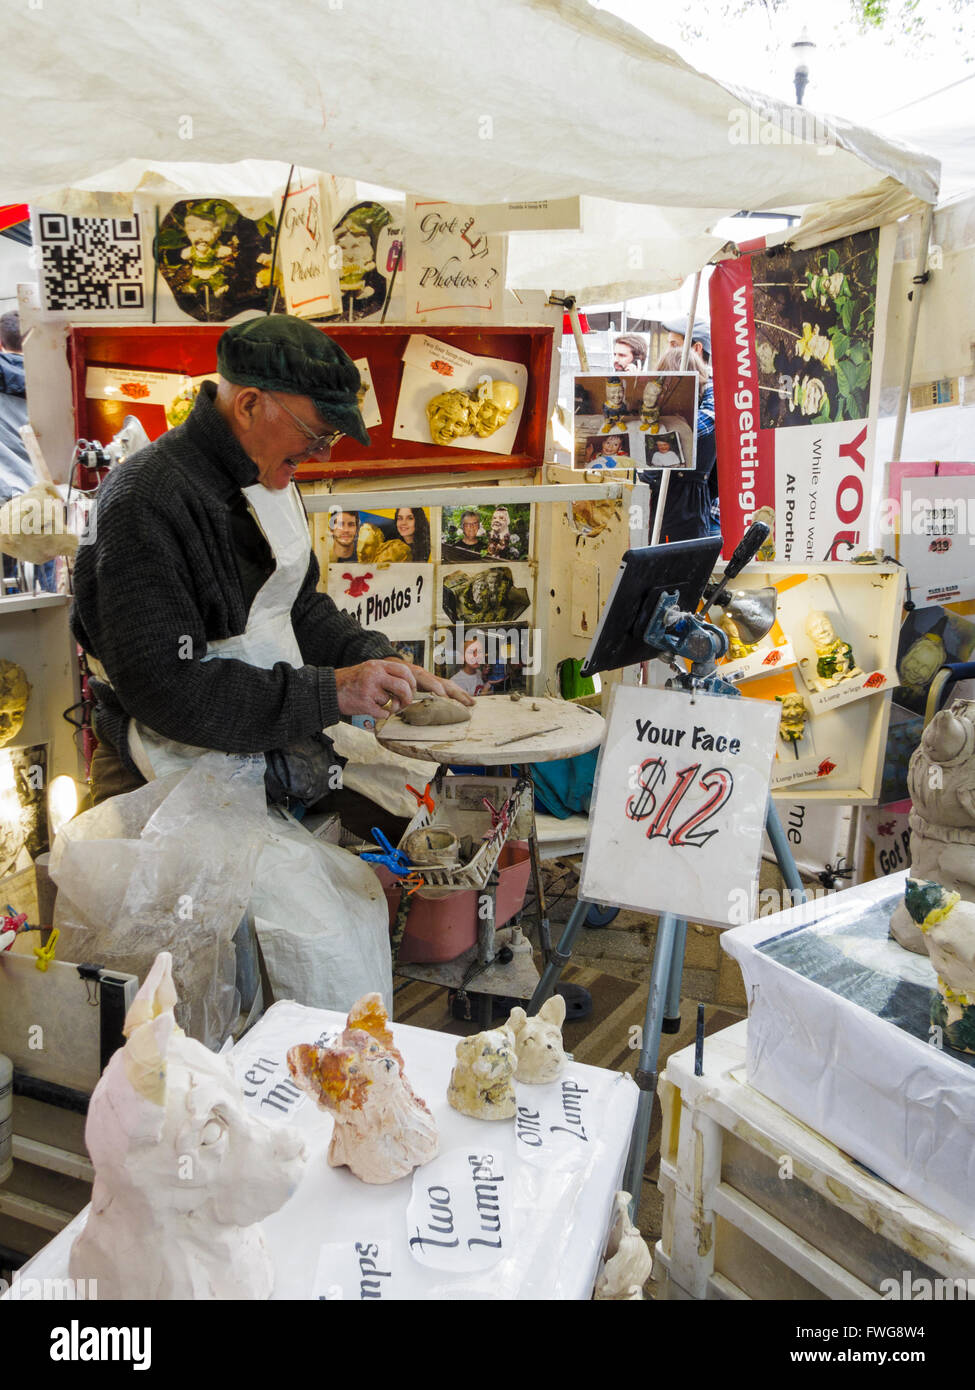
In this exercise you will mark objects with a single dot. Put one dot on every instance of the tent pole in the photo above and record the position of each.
(658, 516)
(920, 278)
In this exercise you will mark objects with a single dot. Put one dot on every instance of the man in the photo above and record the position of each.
(344, 527)
(629, 353)
(16, 470)
(470, 541)
(198, 596)
(700, 336)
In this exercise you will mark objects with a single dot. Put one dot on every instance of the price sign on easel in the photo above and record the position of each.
(679, 807)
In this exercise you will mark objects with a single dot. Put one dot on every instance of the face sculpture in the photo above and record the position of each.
(451, 416)
(614, 394)
(493, 407)
(14, 694)
(820, 629)
(651, 393)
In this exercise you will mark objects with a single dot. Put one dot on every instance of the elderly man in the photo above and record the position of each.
(198, 597)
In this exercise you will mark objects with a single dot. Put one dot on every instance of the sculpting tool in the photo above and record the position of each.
(535, 733)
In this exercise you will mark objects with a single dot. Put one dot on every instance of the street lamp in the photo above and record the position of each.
(803, 50)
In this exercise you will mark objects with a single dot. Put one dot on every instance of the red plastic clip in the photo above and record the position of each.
(422, 798)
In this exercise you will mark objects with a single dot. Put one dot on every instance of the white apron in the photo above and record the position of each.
(320, 914)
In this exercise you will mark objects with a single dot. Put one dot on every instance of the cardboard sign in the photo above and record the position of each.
(454, 271)
(554, 1124)
(679, 806)
(368, 1270)
(459, 1215)
(398, 599)
(308, 271)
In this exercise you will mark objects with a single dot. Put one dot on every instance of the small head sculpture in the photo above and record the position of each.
(495, 402)
(481, 1084)
(651, 392)
(14, 694)
(538, 1041)
(820, 629)
(382, 1129)
(451, 416)
(614, 392)
(177, 1154)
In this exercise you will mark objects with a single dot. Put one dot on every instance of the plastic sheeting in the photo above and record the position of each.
(838, 1035)
(454, 98)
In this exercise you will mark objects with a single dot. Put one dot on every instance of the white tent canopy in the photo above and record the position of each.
(471, 101)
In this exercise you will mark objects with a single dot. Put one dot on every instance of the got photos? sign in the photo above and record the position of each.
(679, 805)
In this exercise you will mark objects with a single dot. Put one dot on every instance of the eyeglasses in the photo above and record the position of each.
(318, 443)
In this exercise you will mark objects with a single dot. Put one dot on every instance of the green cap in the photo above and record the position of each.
(282, 353)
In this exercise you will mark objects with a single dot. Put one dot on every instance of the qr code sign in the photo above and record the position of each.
(91, 263)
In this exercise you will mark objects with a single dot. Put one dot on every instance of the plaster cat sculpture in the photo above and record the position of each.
(182, 1171)
(482, 1082)
(538, 1041)
(948, 927)
(382, 1129)
(941, 780)
(628, 1261)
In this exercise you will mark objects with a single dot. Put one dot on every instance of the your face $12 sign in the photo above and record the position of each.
(679, 805)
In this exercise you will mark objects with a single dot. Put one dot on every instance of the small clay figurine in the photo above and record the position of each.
(538, 1041)
(792, 718)
(182, 1170)
(628, 1261)
(941, 781)
(948, 927)
(766, 551)
(649, 410)
(736, 647)
(614, 411)
(382, 1129)
(834, 657)
(481, 1083)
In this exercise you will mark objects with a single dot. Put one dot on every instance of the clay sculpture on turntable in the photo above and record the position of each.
(434, 709)
(947, 924)
(538, 1041)
(482, 1081)
(182, 1170)
(941, 780)
(382, 1129)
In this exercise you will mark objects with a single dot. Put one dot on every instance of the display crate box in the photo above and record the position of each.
(758, 1206)
(864, 603)
(839, 1034)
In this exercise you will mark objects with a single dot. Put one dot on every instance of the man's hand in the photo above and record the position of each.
(426, 681)
(368, 687)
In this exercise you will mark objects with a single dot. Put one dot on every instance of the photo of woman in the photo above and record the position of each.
(413, 528)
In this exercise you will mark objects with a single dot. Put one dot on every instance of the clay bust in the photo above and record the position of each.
(182, 1170)
(649, 411)
(382, 1129)
(834, 657)
(33, 526)
(451, 416)
(792, 718)
(481, 1083)
(14, 694)
(538, 1041)
(941, 780)
(495, 402)
(948, 928)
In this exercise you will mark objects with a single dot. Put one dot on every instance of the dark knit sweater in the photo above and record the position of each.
(177, 560)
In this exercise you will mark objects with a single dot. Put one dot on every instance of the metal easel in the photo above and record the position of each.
(670, 633)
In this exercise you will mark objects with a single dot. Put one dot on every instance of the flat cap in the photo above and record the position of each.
(282, 353)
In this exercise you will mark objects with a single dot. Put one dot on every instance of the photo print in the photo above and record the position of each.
(635, 408)
(929, 639)
(482, 594)
(411, 652)
(663, 450)
(370, 237)
(631, 354)
(485, 660)
(391, 535)
(500, 531)
(23, 808)
(215, 260)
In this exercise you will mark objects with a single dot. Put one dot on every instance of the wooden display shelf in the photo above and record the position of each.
(192, 350)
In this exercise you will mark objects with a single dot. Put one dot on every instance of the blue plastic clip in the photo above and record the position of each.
(393, 859)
